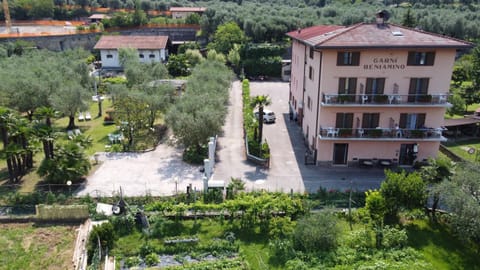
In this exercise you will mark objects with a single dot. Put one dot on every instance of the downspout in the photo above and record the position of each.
(303, 86)
(318, 105)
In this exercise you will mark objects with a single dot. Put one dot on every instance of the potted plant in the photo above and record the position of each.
(424, 98)
(342, 98)
(375, 133)
(345, 132)
(417, 133)
(380, 98)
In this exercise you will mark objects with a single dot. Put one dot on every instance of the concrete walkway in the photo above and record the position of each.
(160, 172)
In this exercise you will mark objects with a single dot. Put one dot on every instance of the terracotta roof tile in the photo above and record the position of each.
(137, 42)
(365, 35)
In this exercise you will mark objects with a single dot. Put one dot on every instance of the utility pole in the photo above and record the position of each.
(8, 21)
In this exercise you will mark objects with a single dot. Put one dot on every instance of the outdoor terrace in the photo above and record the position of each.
(379, 133)
(353, 100)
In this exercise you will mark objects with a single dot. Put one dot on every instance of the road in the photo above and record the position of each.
(287, 168)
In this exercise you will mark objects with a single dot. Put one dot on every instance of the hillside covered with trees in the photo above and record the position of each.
(269, 20)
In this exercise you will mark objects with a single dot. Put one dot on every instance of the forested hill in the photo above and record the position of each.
(268, 20)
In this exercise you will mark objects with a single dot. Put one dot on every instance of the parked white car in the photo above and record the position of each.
(268, 116)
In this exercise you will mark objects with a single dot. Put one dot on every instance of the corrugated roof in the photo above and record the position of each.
(188, 9)
(460, 122)
(136, 42)
(366, 35)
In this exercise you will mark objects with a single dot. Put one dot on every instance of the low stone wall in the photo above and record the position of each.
(450, 154)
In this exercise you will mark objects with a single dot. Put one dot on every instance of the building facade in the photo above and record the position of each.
(150, 49)
(371, 93)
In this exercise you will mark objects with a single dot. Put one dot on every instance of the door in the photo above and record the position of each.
(407, 156)
(340, 153)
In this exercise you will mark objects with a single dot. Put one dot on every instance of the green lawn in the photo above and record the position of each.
(440, 247)
(460, 148)
(93, 128)
(26, 246)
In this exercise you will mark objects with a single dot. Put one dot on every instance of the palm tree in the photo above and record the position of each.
(438, 170)
(45, 131)
(16, 132)
(260, 101)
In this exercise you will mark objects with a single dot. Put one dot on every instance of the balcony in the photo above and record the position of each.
(347, 100)
(381, 134)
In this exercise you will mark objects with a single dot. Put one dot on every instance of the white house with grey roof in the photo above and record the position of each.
(150, 49)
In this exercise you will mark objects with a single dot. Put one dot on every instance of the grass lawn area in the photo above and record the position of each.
(26, 246)
(470, 110)
(440, 247)
(93, 128)
(460, 148)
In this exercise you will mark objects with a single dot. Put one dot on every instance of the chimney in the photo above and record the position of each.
(382, 18)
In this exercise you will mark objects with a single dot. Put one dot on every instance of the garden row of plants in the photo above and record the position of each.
(250, 125)
(258, 206)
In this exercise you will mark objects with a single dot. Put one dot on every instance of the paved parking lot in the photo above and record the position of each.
(287, 171)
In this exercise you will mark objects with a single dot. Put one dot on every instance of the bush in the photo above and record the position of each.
(281, 250)
(162, 227)
(123, 224)
(318, 232)
(103, 232)
(191, 155)
(394, 238)
(360, 239)
(146, 249)
(280, 227)
(152, 259)
(131, 261)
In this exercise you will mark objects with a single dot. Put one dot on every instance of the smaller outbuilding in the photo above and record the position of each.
(94, 18)
(150, 49)
(184, 12)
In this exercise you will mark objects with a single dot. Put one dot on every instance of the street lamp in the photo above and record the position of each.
(69, 184)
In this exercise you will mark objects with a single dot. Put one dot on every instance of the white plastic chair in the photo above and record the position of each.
(364, 99)
(81, 117)
(330, 131)
(88, 116)
(335, 132)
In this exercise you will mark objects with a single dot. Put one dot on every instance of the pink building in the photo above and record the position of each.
(371, 93)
